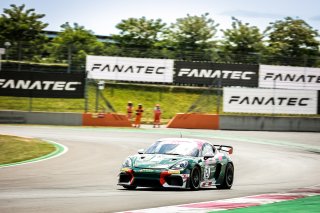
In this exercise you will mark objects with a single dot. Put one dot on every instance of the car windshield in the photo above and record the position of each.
(174, 148)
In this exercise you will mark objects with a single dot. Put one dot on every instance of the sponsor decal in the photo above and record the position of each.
(39, 85)
(288, 77)
(184, 177)
(224, 74)
(45, 85)
(174, 172)
(251, 100)
(216, 74)
(129, 69)
(280, 101)
(291, 77)
(206, 172)
(146, 170)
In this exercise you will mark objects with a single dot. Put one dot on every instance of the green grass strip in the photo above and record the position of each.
(303, 205)
(17, 150)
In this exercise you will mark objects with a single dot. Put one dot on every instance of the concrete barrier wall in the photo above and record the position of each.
(257, 123)
(49, 118)
(226, 122)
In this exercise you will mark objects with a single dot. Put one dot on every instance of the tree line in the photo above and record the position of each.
(291, 41)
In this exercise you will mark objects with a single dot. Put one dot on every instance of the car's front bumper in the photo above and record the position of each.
(153, 178)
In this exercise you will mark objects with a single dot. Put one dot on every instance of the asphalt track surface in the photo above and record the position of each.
(85, 178)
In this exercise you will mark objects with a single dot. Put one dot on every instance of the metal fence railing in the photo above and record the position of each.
(95, 100)
(28, 57)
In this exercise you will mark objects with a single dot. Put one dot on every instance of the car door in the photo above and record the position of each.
(209, 163)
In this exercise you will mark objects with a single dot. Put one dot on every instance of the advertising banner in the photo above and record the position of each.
(216, 74)
(288, 77)
(129, 69)
(42, 85)
(253, 100)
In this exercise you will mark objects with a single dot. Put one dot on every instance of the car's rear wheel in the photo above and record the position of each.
(195, 178)
(228, 178)
(130, 187)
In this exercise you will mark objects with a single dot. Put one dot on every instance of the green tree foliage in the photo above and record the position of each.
(192, 37)
(242, 43)
(23, 29)
(292, 42)
(288, 42)
(140, 32)
(74, 42)
(140, 36)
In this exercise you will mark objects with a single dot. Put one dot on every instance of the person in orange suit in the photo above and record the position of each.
(129, 110)
(139, 112)
(157, 114)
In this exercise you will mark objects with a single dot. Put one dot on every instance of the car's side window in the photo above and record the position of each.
(207, 150)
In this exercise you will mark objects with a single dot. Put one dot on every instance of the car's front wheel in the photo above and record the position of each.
(228, 177)
(195, 178)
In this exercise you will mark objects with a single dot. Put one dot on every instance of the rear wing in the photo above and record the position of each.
(224, 148)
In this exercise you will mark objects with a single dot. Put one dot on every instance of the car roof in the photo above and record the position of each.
(184, 140)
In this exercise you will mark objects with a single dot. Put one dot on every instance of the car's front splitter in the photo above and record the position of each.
(153, 178)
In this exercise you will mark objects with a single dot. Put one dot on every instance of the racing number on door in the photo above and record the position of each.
(207, 150)
(206, 172)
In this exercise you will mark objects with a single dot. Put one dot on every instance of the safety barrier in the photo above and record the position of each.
(105, 119)
(269, 123)
(45, 118)
(194, 121)
(189, 121)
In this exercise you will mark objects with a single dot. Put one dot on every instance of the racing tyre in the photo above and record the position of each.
(195, 178)
(228, 178)
(130, 187)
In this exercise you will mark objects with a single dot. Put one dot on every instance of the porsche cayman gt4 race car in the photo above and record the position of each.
(179, 163)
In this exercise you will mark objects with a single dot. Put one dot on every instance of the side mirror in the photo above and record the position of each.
(140, 151)
(206, 157)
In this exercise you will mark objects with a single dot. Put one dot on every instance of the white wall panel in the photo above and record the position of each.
(252, 100)
(288, 77)
(129, 69)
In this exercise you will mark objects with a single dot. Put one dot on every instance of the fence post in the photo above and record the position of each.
(305, 60)
(19, 55)
(219, 96)
(100, 86)
(30, 104)
(86, 96)
(69, 58)
(97, 97)
(2, 51)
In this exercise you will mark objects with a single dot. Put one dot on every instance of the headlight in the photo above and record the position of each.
(127, 163)
(180, 165)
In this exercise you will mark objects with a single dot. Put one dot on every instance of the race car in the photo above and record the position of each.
(179, 163)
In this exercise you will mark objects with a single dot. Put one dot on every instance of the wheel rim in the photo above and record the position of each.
(195, 178)
(229, 178)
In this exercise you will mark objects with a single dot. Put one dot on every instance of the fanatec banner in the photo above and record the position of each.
(129, 69)
(288, 77)
(42, 85)
(253, 100)
(216, 74)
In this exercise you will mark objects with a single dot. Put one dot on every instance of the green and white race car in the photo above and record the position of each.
(179, 163)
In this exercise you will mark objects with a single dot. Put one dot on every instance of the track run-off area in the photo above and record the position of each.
(84, 179)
